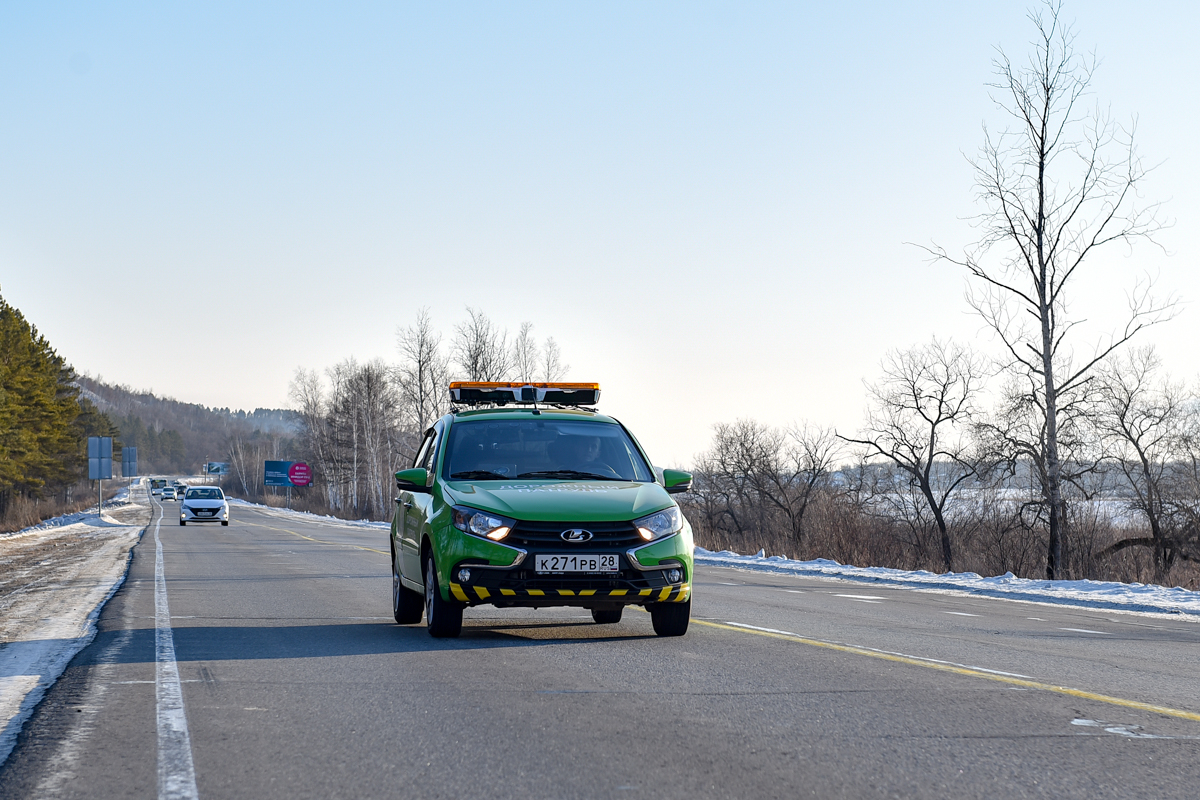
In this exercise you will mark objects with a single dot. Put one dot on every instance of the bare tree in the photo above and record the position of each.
(480, 348)
(526, 354)
(755, 477)
(1143, 420)
(919, 421)
(422, 373)
(1057, 185)
(553, 369)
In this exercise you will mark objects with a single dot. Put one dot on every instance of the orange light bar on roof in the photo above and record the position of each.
(504, 392)
(519, 385)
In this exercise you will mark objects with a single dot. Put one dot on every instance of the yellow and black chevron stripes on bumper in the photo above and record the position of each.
(667, 594)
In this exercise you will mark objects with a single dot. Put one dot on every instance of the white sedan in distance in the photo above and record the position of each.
(204, 504)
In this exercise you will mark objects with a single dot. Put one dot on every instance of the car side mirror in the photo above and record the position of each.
(676, 481)
(413, 480)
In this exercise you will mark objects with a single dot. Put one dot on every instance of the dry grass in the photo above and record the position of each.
(23, 512)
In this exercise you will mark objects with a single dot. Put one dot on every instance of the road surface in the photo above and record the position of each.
(289, 679)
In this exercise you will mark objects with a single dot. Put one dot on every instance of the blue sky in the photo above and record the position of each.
(706, 204)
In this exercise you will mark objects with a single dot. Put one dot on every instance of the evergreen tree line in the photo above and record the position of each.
(44, 423)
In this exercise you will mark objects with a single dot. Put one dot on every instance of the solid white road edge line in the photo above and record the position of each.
(176, 773)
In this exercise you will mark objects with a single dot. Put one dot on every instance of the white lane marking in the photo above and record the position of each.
(960, 613)
(176, 772)
(723, 583)
(859, 596)
(1085, 630)
(888, 652)
(1036, 619)
(793, 591)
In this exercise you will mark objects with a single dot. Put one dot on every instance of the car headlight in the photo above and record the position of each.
(481, 523)
(185, 507)
(660, 524)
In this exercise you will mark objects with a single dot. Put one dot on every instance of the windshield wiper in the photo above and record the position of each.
(478, 475)
(567, 473)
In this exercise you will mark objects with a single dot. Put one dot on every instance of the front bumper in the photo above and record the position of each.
(644, 576)
(191, 515)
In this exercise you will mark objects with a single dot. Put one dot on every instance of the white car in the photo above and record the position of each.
(168, 493)
(204, 504)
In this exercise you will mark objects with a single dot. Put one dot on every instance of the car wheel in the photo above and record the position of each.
(607, 616)
(444, 618)
(407, 605)
(182, 523)
(224, 522)
(670, 619)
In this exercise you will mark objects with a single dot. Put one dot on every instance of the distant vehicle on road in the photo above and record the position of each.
(204, 504)
(156, 485)
(521, 497)
(168, 493)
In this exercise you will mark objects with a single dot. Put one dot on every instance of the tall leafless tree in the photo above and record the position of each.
(553, 368)
(919, 421)
(480, 348)
(1057, 185)
(526, 354)
(422, 373)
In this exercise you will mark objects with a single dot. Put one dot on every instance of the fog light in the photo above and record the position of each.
(464, 575)
(674, 575)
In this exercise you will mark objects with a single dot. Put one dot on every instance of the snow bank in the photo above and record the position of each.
(1085, 594)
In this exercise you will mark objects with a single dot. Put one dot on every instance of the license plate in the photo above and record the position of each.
(205, 513)
(605, 562)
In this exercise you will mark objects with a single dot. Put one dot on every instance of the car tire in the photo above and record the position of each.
(443, 617)
(224, 522)
(607, 616)
(407, 605)
(182, 523)
(671, 619)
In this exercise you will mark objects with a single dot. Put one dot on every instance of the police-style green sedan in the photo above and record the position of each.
(523, 497)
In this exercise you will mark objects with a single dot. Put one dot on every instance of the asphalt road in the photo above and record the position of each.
(297, 684)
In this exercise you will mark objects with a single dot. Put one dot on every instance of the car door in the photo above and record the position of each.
(417, 508)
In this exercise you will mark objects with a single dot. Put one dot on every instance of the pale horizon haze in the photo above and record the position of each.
(707, 205)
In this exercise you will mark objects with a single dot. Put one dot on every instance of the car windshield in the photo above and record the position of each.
(204, 494)
(542, 448)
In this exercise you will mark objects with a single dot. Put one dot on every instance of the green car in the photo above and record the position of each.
(522, 496)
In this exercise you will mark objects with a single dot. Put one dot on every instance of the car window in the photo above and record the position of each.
(541, 448)
(211, 493)
(429, 456)
(423, 450)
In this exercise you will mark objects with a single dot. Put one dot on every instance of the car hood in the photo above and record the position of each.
(573, 501)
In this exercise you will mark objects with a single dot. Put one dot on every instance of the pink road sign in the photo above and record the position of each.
(300, 474)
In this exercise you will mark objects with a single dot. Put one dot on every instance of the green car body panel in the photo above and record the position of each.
(424, 523)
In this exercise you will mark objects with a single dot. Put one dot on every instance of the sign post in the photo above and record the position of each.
(100, 466)
(129, 462)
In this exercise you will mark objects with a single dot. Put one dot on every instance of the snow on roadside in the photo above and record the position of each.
(58, 576)
(311, 517)
(1108, 595)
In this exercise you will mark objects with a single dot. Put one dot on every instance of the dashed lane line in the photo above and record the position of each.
(957, 669)
(311, 539)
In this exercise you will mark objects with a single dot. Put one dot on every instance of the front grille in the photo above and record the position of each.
(604, 534)
(525, 579)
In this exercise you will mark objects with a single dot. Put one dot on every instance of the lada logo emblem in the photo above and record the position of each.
(576, 535)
